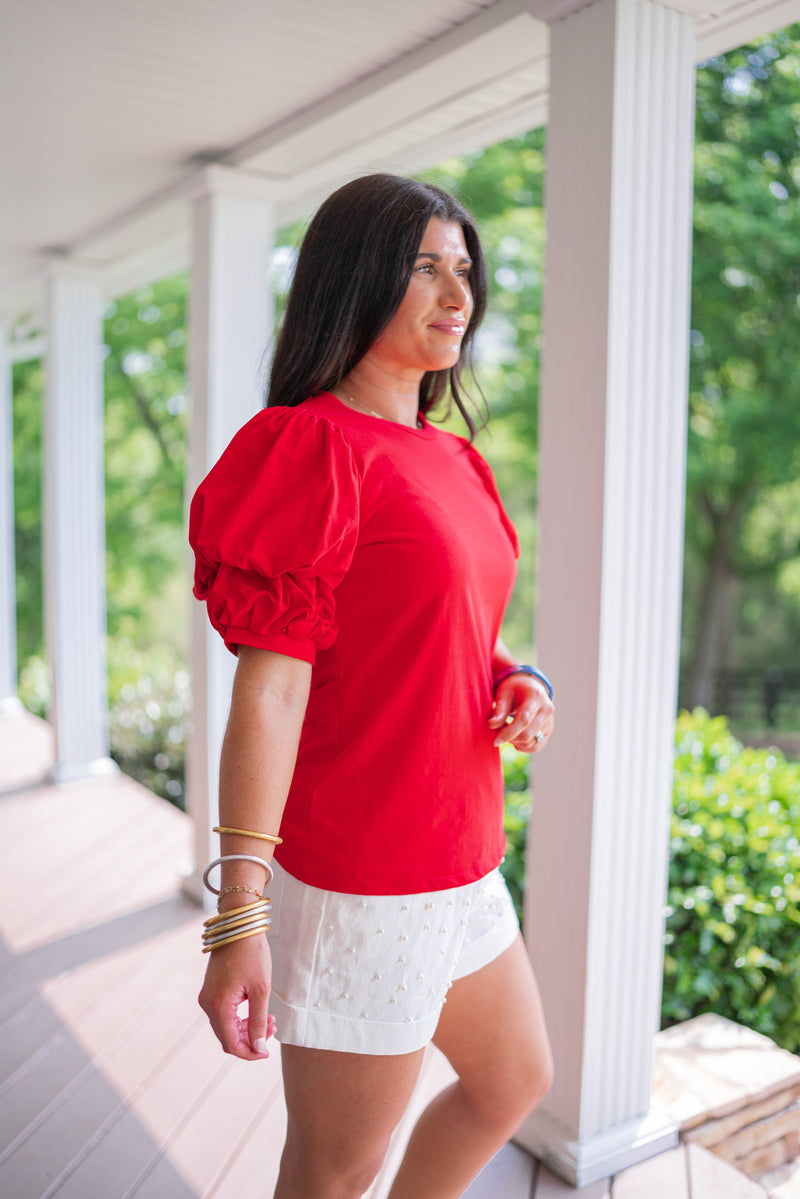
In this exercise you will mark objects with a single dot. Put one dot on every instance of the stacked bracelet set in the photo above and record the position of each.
(248, 920)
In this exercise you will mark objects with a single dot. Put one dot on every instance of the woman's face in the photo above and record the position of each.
(426, 331)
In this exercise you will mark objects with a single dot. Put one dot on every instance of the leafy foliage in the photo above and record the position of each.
(150, 707)
(145, 418)
(733, 920)
(503, 187)
(744, 428)
(517, 815)
(149, 713)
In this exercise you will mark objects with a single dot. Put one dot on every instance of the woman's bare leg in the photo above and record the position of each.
(493, 1033)
(342, 1109)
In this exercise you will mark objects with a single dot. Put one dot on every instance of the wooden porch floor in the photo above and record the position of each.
(111, 1083)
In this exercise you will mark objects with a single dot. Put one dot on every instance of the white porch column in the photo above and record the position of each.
(230, 330)
(74, 522)
(8, 624)
(612, 477)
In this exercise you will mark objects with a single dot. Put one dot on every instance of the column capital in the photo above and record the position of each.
(218, 180)
(58, 265)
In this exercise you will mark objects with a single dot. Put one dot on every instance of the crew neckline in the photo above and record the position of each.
(425, 430)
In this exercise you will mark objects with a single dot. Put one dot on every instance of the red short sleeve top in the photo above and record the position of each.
(382, 555)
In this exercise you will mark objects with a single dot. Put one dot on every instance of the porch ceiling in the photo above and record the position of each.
(111, 108)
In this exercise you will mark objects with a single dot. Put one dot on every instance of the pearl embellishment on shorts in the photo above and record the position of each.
(376, 978)
(393, 1000)
(378, 930)
(402, 987)
(328, 970)
(442, 930)
(402, 959)
(426, 927)
(330, 927)
(428, 907)
(403, 937)
(404, 908)
(350, 949)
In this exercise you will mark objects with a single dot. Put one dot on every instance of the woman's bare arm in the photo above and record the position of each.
(268, 703)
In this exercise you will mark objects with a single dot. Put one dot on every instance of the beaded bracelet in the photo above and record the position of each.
(237, 890)
(523, 669)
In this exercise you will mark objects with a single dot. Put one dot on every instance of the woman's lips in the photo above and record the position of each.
(454, 328)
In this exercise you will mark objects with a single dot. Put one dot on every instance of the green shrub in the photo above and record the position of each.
(733, 915)
(150, 706)
(517, 814)
(149, 712)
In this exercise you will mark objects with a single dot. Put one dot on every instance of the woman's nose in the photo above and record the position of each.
(456, 293)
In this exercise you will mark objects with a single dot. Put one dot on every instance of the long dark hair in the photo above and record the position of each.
(352, 272)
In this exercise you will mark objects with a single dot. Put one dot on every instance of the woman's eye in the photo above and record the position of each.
(425, 266)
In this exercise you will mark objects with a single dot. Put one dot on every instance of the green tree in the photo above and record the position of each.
(744, 423)
(145, 426)
(502, 186)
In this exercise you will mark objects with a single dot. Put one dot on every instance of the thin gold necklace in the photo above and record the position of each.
(380, 415)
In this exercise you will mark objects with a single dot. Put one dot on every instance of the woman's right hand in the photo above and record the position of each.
(237, 973)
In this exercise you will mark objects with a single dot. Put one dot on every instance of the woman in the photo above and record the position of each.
(359, 562)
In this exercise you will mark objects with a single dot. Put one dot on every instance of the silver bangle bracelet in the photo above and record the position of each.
(235, 922)
(236, 857)
(254, 926)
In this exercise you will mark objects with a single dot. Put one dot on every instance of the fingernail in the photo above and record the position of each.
(260, 1045)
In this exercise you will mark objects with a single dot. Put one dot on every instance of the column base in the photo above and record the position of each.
(581, 1162)
(72, 772)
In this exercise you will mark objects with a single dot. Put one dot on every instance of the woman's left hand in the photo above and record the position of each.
(523, 699)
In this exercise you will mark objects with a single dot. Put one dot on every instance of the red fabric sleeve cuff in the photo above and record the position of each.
(278, 643)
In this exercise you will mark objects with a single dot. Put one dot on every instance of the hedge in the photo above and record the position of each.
(732, 937)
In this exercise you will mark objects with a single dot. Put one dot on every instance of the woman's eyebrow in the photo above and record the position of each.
(438, 257)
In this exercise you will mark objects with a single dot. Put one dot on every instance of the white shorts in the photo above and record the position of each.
(369, 973)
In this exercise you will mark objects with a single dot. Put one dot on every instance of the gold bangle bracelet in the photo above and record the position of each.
(229, 940)
(223, 938)
(260, 904)
(243, 832)
(217, 929)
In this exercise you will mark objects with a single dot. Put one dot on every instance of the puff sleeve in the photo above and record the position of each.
(273, 527)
